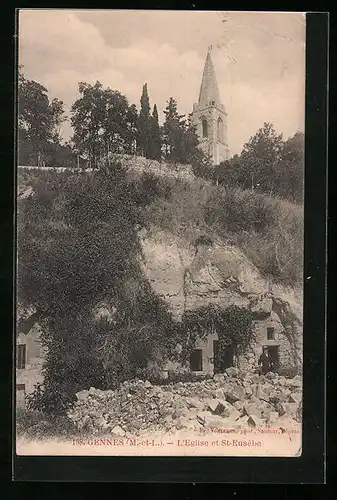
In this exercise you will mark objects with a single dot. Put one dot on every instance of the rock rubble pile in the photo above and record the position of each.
(232, 400)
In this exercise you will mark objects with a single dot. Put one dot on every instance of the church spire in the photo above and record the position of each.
(209, 90)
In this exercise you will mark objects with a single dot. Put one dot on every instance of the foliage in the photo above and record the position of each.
(233, 326)
(267, 164)
(87, 260)
(267, 229)
(149, 137)
(155, 145)
(103, 122)
(39, 120)
(180, 141)
(144, 124)
(34, 424)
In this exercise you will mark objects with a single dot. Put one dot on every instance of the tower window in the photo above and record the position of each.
(204, 128)
(270, 333)
(220, 130)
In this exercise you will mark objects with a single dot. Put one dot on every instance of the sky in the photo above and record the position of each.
(259, 60)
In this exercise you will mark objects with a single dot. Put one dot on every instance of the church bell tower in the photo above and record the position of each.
(209, 116)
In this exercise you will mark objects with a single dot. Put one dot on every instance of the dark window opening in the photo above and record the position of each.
(204, 128)
(196, 360)
(212, 103)
(21, 356)
(222, 359)
(20, 387)
(270, 333)
(220, 130)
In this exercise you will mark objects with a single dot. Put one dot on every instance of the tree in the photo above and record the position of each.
(260, 158)
(88, 121)
(132, 131)
(103, 122)
(39, 121)
(290, 172)
(144, 123)
(267, 163)
(155, 137)
(179, 138)
(172, 131)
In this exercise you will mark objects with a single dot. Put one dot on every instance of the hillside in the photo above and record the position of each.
(113, 260)
(268, 230)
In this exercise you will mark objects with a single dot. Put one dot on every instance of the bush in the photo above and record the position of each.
(268, 230)
(33, 424)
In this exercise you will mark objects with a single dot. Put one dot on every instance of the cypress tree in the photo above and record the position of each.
(144, 123)
(155, 139)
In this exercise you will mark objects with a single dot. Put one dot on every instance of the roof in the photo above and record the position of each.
(209, 90)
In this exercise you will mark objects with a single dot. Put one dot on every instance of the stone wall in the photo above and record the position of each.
(28, 377)
(207, 353)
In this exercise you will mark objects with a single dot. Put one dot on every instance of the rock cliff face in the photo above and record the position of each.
(189, 276)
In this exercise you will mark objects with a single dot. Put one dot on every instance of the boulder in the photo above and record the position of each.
(290, 408)
(295, 397)
(238, 405)
(219, 407)
(272, 417)
(261, 392)
(202, 415)
(195, 403)
(254, 421)
(232, 371)
(249, 391)
(118, 431)
(252, 409)
(242, 421)
(214, 421)
(279, 407)
(82, 395)
(234, 394)
(294, 382)
(219, 394)
(192, 414)
(234, 415)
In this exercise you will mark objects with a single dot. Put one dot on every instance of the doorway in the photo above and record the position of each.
(274, 357)
(224, 359)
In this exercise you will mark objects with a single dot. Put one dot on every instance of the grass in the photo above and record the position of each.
(267, 229)
(34, 425)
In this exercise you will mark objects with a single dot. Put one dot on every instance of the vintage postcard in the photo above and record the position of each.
(160, 173)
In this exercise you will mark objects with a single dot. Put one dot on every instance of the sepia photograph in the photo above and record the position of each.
(160, 233)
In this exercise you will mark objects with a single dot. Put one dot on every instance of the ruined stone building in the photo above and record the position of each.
(209, 116)
(220, 275)
(30, 356)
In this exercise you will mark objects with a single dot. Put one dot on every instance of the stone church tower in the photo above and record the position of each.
(209, 116)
